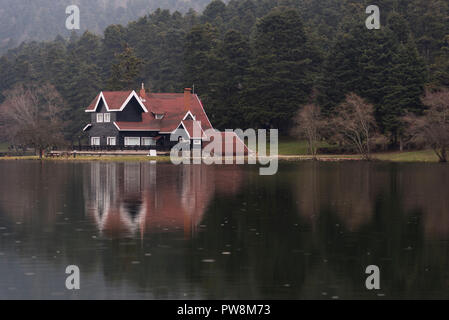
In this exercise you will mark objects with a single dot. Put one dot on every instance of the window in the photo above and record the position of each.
(196, 141)
(159, 116)
(147, 141)
(111, 141)
(132, 141)
(99, 117)
(95, 141)
(107, 117)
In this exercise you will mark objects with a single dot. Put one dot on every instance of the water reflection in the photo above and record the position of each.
(129, 198)
(355, 193)
(350, 196)
(143, 230)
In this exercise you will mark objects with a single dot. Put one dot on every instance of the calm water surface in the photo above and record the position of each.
(158, 231)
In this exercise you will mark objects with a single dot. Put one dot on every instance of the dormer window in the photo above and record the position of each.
(107, 117)
(99, 117)
(158, 116)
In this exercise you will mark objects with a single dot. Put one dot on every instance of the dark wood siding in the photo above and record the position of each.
(132, 112)
(102, 109)
(123, 134)
(102, 129)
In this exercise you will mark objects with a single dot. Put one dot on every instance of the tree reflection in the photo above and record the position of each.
(163, 231)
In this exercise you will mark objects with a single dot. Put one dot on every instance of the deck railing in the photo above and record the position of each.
(118, 148)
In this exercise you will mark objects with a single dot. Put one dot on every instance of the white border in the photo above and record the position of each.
(132, 94)
(187, 113)
(118, 128)
(204, 110)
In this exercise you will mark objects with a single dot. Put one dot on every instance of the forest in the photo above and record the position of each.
(254, 63)
(43, 20)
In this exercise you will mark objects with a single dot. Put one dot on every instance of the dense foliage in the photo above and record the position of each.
(24, 20)
(254, 62)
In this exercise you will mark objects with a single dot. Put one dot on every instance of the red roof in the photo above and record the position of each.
(113, 99)
(170, 105)
(193, 128)
(230, 142)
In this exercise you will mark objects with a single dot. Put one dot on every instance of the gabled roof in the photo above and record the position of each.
(230, 141)
(115, 100)
(171, 105)
(193, 129)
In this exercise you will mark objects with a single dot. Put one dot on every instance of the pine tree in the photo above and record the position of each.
(201, 63)
(78, 90)
(382, 66)
(282, 70)
(125, 71)
(231, 75)
(440, 69)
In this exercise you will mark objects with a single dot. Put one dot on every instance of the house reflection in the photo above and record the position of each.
(129, 198)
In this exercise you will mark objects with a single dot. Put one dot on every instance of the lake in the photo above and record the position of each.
(160, 231)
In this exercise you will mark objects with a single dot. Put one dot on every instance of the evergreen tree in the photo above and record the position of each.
(201, 63)
(79, 89)
(382, 66)
(440, 69)
(234, 53)
(282, 70)
(125, 71)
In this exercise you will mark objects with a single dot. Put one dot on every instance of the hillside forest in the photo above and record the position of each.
(254, 63)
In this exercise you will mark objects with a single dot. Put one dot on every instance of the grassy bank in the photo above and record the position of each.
(293, 147)
(408, 156)
(3, 147)
(93, 158)
(289, 150)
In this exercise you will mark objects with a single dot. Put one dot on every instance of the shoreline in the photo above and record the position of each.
(426, 156)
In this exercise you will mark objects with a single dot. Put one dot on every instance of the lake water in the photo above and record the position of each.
(159, 231)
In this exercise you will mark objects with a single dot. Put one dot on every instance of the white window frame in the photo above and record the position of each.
(92, 139)
(110, 139)
(99, 117)
(196, 141)
(131, 145)
(107, 117)
(151, 139)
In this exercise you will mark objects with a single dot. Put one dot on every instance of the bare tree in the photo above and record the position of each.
(32, 117)
(354, 124)
(308, 125)
(432, 129)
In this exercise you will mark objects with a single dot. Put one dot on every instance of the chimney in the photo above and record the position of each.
(187, 99)
(142, 94)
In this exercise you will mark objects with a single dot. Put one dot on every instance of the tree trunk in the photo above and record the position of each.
(443, 155)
